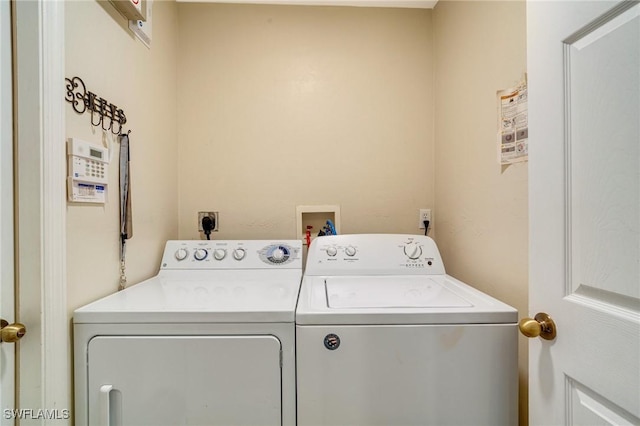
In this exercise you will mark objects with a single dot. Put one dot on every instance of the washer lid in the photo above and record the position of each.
(397, 299)
(223, 296)
(381, 292)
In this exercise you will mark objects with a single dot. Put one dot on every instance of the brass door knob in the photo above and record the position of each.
(11, 333)
(542, 325)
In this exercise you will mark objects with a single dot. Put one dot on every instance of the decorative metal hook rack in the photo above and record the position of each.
(102, 111)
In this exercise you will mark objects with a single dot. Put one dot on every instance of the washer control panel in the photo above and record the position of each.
(362, 254)
(232, 254)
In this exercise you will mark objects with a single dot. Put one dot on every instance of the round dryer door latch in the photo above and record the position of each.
(332, 342)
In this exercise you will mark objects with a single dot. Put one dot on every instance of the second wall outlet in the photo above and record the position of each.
(212, 215)
(424, 214)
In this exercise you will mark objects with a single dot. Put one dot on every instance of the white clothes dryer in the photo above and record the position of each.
(208, 341)
(385, 337)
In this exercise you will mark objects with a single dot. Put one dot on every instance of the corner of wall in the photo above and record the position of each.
(482, 207)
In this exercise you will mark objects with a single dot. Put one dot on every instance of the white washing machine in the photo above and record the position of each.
(385, 337)
(208, 341)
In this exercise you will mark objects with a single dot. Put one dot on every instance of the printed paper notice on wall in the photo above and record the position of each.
(513, 124)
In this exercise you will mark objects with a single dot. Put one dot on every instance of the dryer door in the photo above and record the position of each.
(184, 380)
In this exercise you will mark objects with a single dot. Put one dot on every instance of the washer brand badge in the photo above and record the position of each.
(331, 342)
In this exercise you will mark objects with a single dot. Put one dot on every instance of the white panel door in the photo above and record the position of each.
(584, 94)
(7, 350)
(184, 380)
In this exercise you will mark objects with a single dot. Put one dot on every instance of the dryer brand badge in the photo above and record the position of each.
(331, 342)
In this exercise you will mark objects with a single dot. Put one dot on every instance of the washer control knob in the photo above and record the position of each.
(181, 254)
(332, 251)
(200, 254)
(219, 254)
(350, 251)
(413, 251)
(239, 253)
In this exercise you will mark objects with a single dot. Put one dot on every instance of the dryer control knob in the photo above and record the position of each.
(278, 254)
(219, 254)
(350, 251)
(332, 251)
(239, 253)
(200, 254)
(181, 254)
(413, 251)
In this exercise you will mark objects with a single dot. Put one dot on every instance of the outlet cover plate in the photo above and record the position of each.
(213, 215)
(424, 214)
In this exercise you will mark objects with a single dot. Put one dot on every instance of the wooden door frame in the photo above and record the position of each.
(44, 366)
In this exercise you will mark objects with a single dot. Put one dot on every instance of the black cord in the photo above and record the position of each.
(208, 225)
(426, 226)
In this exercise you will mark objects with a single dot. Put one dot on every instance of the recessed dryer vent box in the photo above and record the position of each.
(315, 216)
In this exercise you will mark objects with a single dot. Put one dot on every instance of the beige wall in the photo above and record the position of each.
(282, 106)
(102, 51)
(382, 111)
(480, 48)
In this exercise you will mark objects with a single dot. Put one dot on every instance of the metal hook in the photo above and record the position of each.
(90, 102)
(102, 104)
(116, 118)
(99, 123)
(107, 129)
(113, 129)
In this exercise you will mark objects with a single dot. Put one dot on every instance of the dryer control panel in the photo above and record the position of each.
(232, 254)
(379, 254)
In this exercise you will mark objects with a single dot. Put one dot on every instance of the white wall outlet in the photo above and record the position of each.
(424, 214)
(212, 215)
